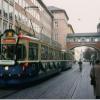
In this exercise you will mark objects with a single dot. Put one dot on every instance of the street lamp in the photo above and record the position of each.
(34, 7)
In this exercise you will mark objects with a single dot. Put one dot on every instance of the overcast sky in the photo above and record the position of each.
(84, 15)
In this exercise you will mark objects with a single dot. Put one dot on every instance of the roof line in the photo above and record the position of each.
(41, 2)
(58, 10)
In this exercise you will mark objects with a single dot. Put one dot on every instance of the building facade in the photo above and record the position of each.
(34, 18)
(31, 16)
(6, 14)
(61, 26)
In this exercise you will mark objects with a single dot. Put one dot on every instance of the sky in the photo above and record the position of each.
(84, 15)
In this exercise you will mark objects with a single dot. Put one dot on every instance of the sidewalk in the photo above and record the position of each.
(84, 89)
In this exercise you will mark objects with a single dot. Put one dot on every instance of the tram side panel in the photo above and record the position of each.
(67, 61)
(26, 60)
(48, 63)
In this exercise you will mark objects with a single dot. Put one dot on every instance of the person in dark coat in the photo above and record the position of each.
(80, 65)
(95, 75)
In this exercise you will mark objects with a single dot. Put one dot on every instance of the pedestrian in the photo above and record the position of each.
(95, 78)
(90, 62)
(93, 62)
(80, 65)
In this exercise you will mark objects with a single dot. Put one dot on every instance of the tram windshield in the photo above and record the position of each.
(9, 52)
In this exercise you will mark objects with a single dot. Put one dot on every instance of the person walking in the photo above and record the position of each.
(80, 65)
(90, 62)
(95, 78)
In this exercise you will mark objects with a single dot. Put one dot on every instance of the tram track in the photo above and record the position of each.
(74, 87)
(76, 84)
(48, 88)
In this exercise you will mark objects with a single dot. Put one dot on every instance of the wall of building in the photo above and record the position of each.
(70, 29)
(61, 28)
(33, 17)
(14, 15)
(40, 18)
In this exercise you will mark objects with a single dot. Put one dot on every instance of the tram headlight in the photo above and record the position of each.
(6, 68)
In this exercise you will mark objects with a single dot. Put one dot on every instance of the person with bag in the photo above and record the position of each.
(95, 78)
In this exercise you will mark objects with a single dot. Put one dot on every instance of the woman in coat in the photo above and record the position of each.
(95, 75)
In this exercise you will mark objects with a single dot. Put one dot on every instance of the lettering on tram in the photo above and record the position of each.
(24, 59)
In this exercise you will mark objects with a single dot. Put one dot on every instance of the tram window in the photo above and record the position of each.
(21, 52)
(65, 56)
(44, 52)
(68, 56)
(50, 54)
(53, 52)
(8, 51)
(33, 51)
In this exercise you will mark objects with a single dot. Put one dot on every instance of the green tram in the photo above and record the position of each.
(25, 59)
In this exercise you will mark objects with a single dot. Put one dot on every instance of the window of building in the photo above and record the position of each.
(10, 26)
(11, 2)
(20, 16)
(24, 3)
(5, 9)
(20, 2)
(10, 12)
(0, 6)
(36, 3)
(0, 26)
(16, 14)
(4, 25)
(33, 1)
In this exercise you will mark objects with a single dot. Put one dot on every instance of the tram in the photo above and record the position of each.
(67, 60)
(24, 59)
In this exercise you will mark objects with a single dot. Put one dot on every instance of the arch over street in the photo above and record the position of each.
(83, 39)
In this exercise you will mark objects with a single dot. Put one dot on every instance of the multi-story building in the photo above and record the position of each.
(31, 16)
(61, 26)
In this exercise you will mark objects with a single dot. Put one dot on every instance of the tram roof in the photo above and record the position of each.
(33, 38)
(84, 35)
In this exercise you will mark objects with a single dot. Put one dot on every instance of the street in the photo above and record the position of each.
(41, 38)
(70, 84)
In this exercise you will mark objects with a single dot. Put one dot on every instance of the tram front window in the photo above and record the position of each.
(9, 52)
